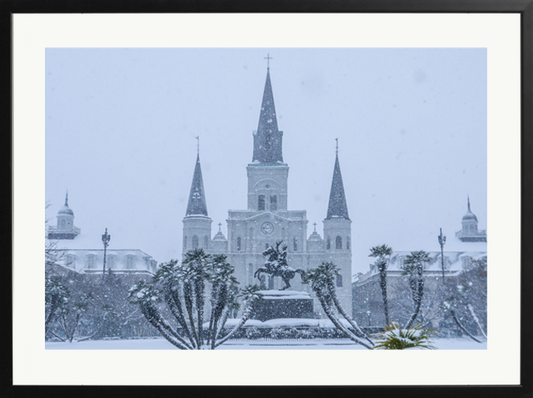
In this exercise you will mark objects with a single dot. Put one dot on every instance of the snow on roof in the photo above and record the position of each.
(89, 245)
(452, 244)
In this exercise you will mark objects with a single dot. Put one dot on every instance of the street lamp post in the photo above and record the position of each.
(442, 241)
(105, 240)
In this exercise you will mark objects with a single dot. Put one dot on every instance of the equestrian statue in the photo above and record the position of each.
(276, 265)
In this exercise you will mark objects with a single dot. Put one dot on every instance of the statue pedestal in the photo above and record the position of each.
(283, 304)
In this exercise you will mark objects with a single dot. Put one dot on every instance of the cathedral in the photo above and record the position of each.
(268, 220)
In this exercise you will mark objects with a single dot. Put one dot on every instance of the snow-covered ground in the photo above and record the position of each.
(336, 344)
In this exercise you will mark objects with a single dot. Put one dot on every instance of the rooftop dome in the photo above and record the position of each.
(469, 216)
(315, 236)
(65, 209)
(219, 235)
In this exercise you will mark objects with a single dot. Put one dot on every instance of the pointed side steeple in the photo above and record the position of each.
(197, 204)
(267, 138)
(337, 207)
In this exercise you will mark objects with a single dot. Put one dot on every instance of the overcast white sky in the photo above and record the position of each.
(411, 124)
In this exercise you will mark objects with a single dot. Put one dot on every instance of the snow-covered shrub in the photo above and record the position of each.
(307, 333)
(292, 333)
(284, 333)
(396, 338)
(252, 333)
(277, 333)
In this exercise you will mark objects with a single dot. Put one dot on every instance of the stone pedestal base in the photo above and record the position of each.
(283, 304)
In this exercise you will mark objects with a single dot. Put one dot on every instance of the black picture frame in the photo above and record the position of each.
(522, 7)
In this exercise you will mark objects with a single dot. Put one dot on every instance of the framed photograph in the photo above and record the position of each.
(140, 136)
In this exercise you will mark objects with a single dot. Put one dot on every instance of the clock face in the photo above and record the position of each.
(267, 228)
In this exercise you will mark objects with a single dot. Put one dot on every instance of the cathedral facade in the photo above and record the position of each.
(267, 219)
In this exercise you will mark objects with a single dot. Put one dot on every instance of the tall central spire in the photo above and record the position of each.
(197, 204)
(267, 138)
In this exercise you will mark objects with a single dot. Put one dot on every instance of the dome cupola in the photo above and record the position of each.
(469, 216)
(65, 210)
(65, 228)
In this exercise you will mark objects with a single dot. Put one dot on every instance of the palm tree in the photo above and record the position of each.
(321, 280)
(195, 265)
(147, 297)
(223, 282)
(182, 287)
(382, 254)
(250, 295)
(414, 267)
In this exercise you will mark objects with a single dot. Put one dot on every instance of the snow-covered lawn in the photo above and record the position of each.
(336, 344)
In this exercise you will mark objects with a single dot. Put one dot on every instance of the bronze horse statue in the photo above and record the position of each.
(276, 265)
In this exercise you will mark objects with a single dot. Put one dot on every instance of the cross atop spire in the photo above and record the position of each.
(336, 146)
(468, 198)
(268, 58)
(66, 199)
(197, 144)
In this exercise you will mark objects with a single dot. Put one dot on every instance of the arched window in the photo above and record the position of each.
(184, 243)
(267, 246)
(295, 244)
(111, 260)
(195, 242)
(338, 243)
(91, 261)
(400, 260)
(466, 261)
(130, 261)
(347, 243)
(328, 244)
(270, 282)
(261, 202)
(339, 280)
(71, 261)
(239, 244)
(206, 242)
(273, 202)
